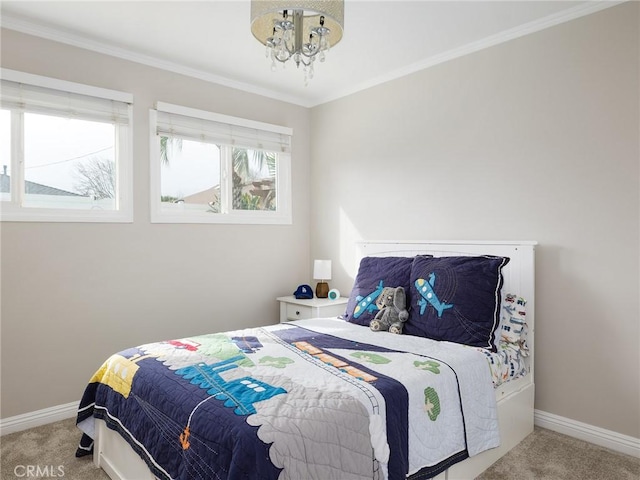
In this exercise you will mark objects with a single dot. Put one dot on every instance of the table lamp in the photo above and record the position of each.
(322, 272)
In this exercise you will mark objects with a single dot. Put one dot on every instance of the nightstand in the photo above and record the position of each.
(293, 309)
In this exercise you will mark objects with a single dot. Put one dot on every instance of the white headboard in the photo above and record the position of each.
(519, 273)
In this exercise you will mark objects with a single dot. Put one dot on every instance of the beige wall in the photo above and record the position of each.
(72, 294)
(534, 139)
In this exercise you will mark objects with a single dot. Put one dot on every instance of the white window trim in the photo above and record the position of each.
(283, 215)
(13, 212)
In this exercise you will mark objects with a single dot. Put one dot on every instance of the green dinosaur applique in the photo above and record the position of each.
(431, 403)
(371, 357)
(429, 365)
(277, 362)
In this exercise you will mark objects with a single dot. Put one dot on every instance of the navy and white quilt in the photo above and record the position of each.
(313, 399)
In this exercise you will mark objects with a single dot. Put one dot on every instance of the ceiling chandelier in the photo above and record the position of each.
(302, 30)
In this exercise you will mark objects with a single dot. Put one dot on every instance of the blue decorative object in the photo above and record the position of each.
(303, 291)
(425, 289)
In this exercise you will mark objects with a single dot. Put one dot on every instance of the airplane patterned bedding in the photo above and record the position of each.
(312, 399)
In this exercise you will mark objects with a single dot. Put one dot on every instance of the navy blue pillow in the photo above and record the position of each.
(456, 299)
(374, 274)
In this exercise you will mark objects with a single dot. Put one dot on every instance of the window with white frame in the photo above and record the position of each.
(65, 151)
(212, 168)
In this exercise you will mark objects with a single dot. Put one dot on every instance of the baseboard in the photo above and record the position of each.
(38, 418)
(582, 431)
(596, 435)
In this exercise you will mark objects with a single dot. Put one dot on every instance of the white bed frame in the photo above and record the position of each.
(515, 398)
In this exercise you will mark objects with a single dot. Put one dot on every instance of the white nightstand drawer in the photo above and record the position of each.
(298, 312)
(292, 308)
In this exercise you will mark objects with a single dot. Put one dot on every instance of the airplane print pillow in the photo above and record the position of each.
(513, 323)
(374, 274)
(456, 299)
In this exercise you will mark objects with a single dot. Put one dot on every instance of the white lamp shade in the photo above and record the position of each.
(263, 12)
(322, 269)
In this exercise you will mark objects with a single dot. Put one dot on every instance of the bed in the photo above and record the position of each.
(329, 398)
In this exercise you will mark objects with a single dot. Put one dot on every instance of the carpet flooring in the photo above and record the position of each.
(543, 455)
(548, 455)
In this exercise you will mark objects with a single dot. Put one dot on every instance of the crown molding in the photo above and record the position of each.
(58, 35)
(487, 42)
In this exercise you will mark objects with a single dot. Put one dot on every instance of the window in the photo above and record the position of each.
(65, 151)
(211, 168)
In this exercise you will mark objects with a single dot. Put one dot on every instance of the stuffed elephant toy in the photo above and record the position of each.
(392, 314)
